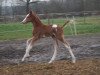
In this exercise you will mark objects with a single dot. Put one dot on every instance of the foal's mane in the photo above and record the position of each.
(36, 18)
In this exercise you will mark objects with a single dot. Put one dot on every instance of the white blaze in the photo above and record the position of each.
(25, 18)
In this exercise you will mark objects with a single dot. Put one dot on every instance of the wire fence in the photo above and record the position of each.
(18, 18)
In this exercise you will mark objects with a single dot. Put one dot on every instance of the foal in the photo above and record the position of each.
(41, 30)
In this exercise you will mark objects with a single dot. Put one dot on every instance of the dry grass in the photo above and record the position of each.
(81, 67)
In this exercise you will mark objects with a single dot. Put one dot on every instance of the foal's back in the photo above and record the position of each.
(48, 30)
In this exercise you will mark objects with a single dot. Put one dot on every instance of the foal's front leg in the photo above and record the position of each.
(29, 47)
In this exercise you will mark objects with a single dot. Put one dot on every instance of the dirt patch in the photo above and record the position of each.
(81, 67)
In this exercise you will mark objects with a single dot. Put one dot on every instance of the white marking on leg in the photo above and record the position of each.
(55, 53)
(27, 52)
(70, 51)
(28, 41)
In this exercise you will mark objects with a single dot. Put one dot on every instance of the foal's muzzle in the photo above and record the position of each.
(23, 22)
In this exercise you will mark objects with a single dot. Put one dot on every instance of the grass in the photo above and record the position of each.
(13, 31)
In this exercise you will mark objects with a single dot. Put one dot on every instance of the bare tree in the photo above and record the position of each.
(1, 6)
(28, 4)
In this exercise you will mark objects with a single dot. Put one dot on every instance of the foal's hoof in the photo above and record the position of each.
(26, 56)
(23, 60)
(73, 60)
(50, 62)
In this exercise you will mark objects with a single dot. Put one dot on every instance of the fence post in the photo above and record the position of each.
(69, 25)
(74, 25)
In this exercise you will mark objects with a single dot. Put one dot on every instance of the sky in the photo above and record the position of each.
(13, 2)
(44, 0)
(40, 0)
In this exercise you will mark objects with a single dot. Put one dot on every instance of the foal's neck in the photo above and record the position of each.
(36, 20)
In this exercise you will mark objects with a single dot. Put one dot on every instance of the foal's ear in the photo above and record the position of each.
(30, 12)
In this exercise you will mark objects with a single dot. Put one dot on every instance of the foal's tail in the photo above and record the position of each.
(65, 23)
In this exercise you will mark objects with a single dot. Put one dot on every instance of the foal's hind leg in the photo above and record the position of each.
(69, 48)
(70, 51)
(55, 53)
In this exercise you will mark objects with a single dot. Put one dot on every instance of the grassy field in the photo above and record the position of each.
(11, 31)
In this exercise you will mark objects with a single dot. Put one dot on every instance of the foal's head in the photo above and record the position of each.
(28, 18)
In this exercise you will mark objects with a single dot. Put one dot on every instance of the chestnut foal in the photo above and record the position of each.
(41, 30)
